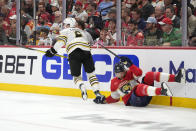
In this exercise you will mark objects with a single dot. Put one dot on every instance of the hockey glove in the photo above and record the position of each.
(126, 61)
(51, 52)
(100, 99)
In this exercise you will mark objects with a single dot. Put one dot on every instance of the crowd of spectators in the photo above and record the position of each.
(144, 22)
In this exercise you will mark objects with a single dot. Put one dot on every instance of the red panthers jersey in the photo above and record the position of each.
(124, 87)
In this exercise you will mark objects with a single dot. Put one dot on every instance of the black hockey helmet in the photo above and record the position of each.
(119, 67)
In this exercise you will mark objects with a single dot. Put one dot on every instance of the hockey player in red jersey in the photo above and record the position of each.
(133, 93)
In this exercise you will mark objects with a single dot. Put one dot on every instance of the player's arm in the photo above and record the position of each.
(60, 42)
(129, 66)
(115, 96)
(137, 72)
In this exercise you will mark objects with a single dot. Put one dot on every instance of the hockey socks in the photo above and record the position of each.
(93, 81)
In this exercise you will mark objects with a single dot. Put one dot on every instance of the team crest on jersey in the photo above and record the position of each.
(125, 87)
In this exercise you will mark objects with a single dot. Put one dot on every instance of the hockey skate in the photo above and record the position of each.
(100, 99)
(83, 92)
(181, 76)
(165, 90)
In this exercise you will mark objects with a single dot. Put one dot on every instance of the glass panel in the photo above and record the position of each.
(143, 22)
(7, 23)
(155, 23)
(102, 21)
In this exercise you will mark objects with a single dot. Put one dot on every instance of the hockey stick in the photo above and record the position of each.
(109, 50)
(112, 53)
(38, 50)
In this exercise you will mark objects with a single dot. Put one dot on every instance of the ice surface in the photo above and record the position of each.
(37, 112)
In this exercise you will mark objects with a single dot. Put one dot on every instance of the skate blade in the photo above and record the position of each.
(169, 93)
(183, 79)
(84, 96)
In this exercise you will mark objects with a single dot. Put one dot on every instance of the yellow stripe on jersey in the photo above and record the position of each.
(62, 37)
(70, 46)
(92, 80)
(94, 83)
(79, 43)
(62, 41)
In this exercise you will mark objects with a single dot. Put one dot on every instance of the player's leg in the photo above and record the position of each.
(143, 93)
(80, 84)
(75, 67)
(89, 67)
(165, 77)
(147, 90)
(165, 90)
(139, 101)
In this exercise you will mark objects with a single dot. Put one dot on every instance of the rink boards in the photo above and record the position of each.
(30, 71)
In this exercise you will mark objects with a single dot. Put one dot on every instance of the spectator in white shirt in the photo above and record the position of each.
(79, 12)
(57, 25)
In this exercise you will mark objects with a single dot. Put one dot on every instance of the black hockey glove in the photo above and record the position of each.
(126, 61)
(51, 52)
(100, 99)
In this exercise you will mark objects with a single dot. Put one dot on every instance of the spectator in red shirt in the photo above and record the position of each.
(54, 7)
(79, 13)
(5, 11)
(3, 37)
(42, 10)
(12, 11)
(110, 15)
(111, 32)
(57, 25)
(135, 36)
(125, 17)
(5, 25)
(102, 39)
(12, 32)
(43, 21)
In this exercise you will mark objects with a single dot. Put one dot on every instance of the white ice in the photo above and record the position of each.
(37, 112)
